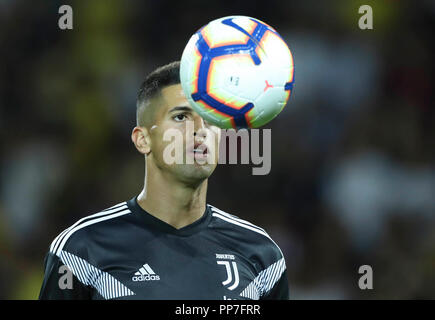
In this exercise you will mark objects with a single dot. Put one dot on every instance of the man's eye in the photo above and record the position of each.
(180, 117)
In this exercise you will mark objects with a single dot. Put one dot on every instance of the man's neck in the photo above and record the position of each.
(172, 201)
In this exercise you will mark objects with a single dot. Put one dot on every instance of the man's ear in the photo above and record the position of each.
(141, 139)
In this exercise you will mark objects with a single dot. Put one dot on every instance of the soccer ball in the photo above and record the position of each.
(237, 72)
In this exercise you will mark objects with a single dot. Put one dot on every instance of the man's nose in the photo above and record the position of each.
(199, 127)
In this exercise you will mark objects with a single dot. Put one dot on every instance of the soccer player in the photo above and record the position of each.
(167, 242)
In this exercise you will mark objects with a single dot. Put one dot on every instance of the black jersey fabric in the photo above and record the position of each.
(124, 252)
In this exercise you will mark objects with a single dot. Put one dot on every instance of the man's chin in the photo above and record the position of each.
(195, 173)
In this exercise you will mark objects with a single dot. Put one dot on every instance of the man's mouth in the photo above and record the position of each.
(199, 151)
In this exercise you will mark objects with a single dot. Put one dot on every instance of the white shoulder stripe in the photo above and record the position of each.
(227, 217)
(107, 211)
(115, 206)
(85, 224)
(264, 281)
(56, 240)
(106, 285)
(232, 220)
(236, 218)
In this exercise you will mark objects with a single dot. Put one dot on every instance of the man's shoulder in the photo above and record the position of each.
(234, 222)
(76, 237)
(246, 232)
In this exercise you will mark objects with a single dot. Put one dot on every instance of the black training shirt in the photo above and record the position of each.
(124, 252)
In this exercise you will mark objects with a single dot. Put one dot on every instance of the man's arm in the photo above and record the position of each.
(60, 283)
(280, 291)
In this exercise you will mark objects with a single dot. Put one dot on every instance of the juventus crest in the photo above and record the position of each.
(232, 280)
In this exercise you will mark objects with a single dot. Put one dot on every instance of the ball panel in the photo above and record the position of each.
(219, 119)
(264, 23)
(286, 97)
(268, 106)
(245, 23)
(261, 53)
(213, 115)
(268, 102)
(189, 59)
(227, 79)
(195, 63)
(217, 35)
(276, 49)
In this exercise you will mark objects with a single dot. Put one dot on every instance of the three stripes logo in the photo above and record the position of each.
(145, 273)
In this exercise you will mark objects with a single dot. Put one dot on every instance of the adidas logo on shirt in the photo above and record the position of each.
(145, 273)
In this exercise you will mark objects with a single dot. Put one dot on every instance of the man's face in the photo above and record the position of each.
(177, 123)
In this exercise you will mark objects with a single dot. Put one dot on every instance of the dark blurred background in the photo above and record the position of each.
(353, 154)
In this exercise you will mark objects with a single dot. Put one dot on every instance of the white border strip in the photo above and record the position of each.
(72, 230)
(55, 242)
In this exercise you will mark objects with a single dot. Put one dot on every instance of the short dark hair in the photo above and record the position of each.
(163, 76)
